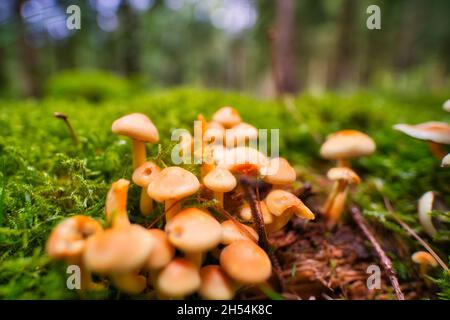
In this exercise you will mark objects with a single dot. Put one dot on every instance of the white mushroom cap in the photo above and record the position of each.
(220, 180)
(438, 132)
(446, 161)
(424, 208)
(178, 279)
(194, 230)
(343, 173)
(163, 251)
(280, 202)
(173, 183)
(227, 116)
(246, 262)
(232, 232)
(446, 105)
(118, 250)
(136, 126)
(216, 285)
(278, 172)
(347, 144)
(145, 174)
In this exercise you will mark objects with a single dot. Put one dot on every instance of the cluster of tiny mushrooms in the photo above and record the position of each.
(171, 261)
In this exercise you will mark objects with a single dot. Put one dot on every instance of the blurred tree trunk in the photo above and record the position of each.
(342, 66)
(283, 47)
(131, 42)
(28, 58)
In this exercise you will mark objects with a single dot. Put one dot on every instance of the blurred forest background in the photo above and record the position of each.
(260, 46)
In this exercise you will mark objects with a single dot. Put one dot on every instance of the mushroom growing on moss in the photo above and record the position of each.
(142, 176)
(170, 186)
(116, 204)
(220, 180)
(215, 284)
(227, 117)
(278, 172)
(346, 144)
(68, 241)
(446, 161)
(425, 261)
(234, 231)
(140, 129)
(436, 133)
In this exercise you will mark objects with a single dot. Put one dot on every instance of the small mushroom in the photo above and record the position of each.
(227, 116)
(240, 135)
(194, 232)
(446, 105)
(283, 205)
(446, 161)
(170, 186)
(215, 284)
(425, 261)
(220, 180)
(245, 262)
(162, 253)
(214, 133)
(346, 144)
(429, 202)
(246, 212)
(116, 204)
(178, 279)
(140, 129)
(436, 133)
(120, 253)
(343, 177)
(278, 172)
(231, 232)
(142, 176)
(243, 160)
(68, 241)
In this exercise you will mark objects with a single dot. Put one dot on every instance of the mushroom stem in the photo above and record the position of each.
(116, 204)
(65, 118)
(146, 203)
(337, 206)
(172, 207)
(85, 274)
(139, 153)
(195, 257)
(131, 283)
(343, 163)
(329, 202)
(437, 150)
(219, 197)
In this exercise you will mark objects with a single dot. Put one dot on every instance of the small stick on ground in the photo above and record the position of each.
(385, 261)
(65, 118)
(250, 197)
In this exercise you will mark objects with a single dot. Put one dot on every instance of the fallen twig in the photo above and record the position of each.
(385, 261)
(65, 118)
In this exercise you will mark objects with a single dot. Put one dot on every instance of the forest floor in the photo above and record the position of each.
(45, 177)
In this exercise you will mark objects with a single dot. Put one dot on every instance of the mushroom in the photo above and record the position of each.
(214, 133)
(220, 180)
(436, 133)
(194, 232)
(68, 241)
(215, 284)
(346, 144)
(246, 212)
(278, 172)
(245, 262)
(446, 161)
(170, 186)
(162, 253)
(116, 204)
(227, 116)
(142, 176)
(232, 231)
(425, 260)
(429, 202)
(242, 160)
(446, 105)
(283, 205)
(120, 253)
(343, 177)
(178, 279)
(240, 135)
(140, 129)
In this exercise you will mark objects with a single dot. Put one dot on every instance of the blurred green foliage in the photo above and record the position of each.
(46, 178)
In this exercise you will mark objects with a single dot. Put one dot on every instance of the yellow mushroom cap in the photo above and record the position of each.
(194, 230)
(239, 134)
(227, 116)
(215, 284)
(69, 237)
(245, 262)
(446, 161)
(423, 257)
(343, 173)
(278, 172)
(242, 160)
(434, 131)
(220, 180)
(118, 250)
(178, 279)
(136, 126)
(280, 202)
(145, 174)
(173, 183)
(232, 232)
(347, 144)
(163, 251)
(246, 212)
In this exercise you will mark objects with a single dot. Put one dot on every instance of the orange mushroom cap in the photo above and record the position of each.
(347, 144)
(136, 126)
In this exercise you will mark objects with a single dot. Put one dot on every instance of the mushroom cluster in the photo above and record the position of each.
(209, 251)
